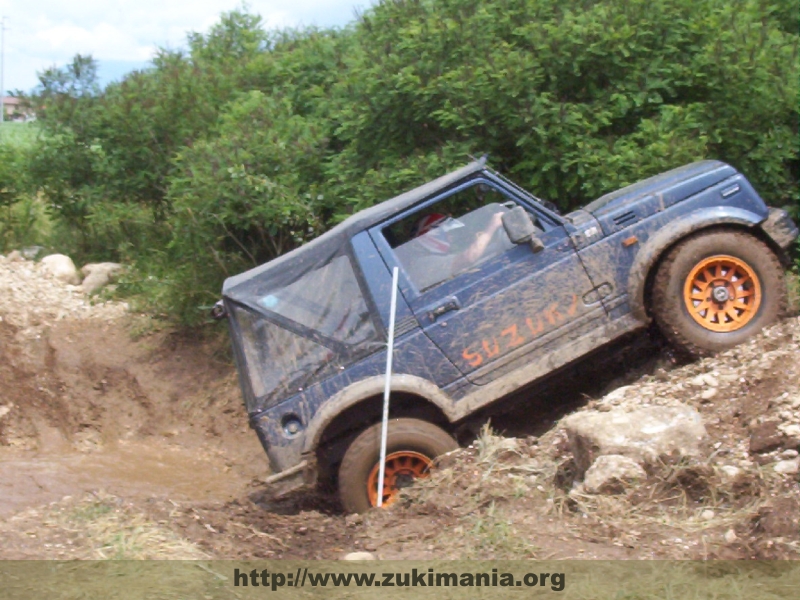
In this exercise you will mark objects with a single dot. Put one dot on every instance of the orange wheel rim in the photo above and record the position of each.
(722, 293)
(402, 468)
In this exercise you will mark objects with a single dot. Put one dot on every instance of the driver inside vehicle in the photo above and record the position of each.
(442, 246)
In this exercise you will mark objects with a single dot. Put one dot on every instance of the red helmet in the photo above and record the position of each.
(430, 234)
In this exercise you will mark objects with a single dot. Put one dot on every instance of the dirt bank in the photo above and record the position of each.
(121, 440)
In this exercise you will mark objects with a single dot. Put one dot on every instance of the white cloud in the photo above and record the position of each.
(104, 41)
(50, 32)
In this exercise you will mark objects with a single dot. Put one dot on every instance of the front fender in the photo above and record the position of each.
(666, 237)
(370, 388)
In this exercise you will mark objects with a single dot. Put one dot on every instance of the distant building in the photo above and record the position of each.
(16, 110)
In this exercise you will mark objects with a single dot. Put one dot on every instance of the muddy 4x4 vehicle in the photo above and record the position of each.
(497, 291)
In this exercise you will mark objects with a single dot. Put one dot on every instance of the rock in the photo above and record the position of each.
(62, 267)
(765, 437)
(787, 467)
(709, 393)
(730, 536)
(704, 380)
(15, 256)
(791, 430)
(98, 275)
(707, 514)
(729, 472)
(644, 434)
(32, 300)
(789, 454)
(31, 252)
(359, 556)
(617, 394)
(610, 472)
(354, 520)
(4, 410)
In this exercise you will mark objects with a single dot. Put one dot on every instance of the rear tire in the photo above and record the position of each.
(411, 446)
(714, 290)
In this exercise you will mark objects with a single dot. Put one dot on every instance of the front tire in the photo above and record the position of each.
(411, 447)
(716, 289)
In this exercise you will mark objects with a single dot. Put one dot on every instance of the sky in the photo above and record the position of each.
(124, 34)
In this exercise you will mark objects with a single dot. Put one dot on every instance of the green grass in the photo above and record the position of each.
(18, 134)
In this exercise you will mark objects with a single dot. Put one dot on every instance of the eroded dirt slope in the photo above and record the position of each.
(112, 446)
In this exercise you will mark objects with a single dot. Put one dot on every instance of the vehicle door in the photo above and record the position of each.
(487, 303)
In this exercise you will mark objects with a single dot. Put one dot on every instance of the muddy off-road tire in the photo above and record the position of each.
(411, 446)
(716, 289)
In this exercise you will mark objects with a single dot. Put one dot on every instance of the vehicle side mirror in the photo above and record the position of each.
(520, 228)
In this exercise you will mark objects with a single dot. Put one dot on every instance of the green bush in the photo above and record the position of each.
(249, 142)
(21, 215)
(577, 98)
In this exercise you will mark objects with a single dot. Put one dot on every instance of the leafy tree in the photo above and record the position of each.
(248, 142)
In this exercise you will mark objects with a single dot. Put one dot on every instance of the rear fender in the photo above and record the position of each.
(370, 388)
(666, 237)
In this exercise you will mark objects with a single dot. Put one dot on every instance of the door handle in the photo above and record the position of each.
(445, 307)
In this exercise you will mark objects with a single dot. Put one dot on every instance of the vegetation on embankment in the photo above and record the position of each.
(248, 141)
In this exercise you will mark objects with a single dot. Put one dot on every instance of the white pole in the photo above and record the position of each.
(2, 64)
(387, 386)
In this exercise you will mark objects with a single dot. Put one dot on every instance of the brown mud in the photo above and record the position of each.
(96, 422)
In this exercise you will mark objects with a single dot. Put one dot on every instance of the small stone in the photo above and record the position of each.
(359, 556)
(617, 394)
(786, 454)
(31, 252)
(353, 520)
(787, 467)
(15, 256)
(704, 380)
(791, 430)
(729, 471)
(4, 410)
(707, 514)
(709, 393)
(730, 536)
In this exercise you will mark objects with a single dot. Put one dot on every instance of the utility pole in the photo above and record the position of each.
(2, 64)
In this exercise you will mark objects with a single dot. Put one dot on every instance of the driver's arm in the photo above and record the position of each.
(482, 239)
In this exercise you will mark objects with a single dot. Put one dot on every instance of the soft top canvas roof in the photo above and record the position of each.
(291, 266)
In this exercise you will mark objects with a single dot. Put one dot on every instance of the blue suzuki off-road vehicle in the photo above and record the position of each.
(497, 291)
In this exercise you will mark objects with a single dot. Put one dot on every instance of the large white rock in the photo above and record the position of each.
(62, 267)
(644, 434)
(98, 275)
(608, 472)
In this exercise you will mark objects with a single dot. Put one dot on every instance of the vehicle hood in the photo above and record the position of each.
(670, 187)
